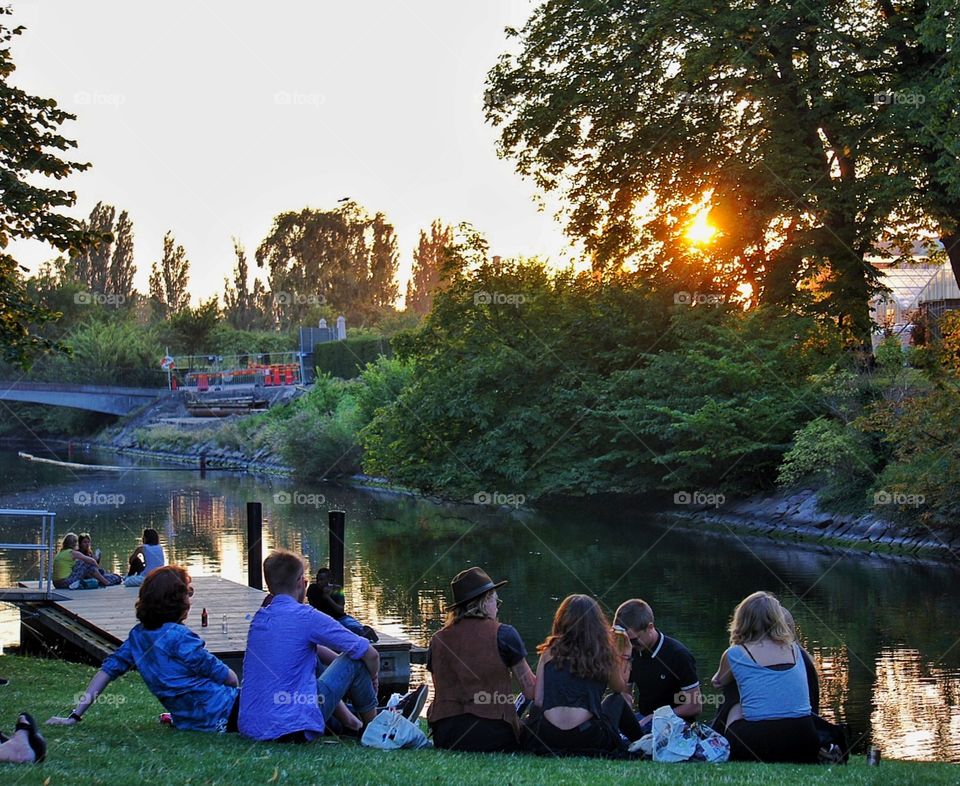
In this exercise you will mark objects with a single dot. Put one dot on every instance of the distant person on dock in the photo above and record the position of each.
(198, 689)
(327, 597)
(282, 699)
(145, 558)
(85, 546)
(663, 672)
(774, 720)
(71, 566)
(473, 659)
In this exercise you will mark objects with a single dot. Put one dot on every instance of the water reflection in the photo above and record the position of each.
(854, 613)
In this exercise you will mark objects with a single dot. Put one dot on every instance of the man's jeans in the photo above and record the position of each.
(345, 678)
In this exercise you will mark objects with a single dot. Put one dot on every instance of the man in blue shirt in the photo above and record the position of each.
(281, 697)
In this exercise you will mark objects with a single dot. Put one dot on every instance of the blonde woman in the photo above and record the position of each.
(474, 660)
(773, 721)
(71, 565)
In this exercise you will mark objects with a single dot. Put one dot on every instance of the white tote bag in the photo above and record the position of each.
(390, 731)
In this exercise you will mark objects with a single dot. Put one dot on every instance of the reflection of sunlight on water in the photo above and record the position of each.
(915, 707)
(833, 665)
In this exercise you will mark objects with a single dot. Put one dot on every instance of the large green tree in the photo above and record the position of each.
(765, 114)
(30, 148)
(428, 261)
(106, 267)
(342, 258)
(243, 307)
(170, 277)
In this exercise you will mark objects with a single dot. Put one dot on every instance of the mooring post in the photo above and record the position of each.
(203, 465)
(254, 545)
(338, 525)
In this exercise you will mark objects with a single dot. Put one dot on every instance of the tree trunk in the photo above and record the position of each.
(951, 243)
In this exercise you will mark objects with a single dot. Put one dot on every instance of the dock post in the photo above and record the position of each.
(338, 525)
(255, 545)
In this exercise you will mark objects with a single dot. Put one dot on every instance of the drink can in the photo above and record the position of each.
(873, 756)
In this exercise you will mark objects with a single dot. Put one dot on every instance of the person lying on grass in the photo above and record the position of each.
(198, 689)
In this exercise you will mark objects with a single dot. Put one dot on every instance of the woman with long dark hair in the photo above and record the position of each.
(195, 687)
(579, 660)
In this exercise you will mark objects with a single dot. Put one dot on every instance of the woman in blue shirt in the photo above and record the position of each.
(195, 687)
(773, 721)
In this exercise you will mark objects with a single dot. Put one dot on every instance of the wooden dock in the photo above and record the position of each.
(98, 621)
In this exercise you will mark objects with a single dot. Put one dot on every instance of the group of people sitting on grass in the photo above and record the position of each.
(78, 563)
(305, 674)
(598, 684)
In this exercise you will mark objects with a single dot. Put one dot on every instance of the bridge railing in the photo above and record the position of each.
(46, 546)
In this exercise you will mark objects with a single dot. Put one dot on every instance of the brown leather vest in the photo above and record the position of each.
(469, 676)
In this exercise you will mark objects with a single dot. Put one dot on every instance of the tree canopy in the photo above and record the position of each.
(30, 148)
(784, 125)
(343, 258)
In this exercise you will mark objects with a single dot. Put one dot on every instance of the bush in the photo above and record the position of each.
(346, 359)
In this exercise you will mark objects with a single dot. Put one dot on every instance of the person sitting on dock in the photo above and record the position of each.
(145, 558)
(662, 670)
(282, 699)
(327, 597)
(198, 689)
(85, 546)
(473, 659)
(72, 566)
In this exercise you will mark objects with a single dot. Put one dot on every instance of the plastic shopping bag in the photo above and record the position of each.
(391, 731)
(711, 746)
(673, 739)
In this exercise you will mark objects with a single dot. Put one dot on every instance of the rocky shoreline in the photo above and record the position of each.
(797, 516)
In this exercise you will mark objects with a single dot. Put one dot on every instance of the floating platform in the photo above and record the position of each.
(98, 621)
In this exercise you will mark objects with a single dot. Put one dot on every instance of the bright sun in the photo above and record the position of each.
(700, 230)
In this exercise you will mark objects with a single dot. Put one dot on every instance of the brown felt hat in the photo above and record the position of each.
(469, 584)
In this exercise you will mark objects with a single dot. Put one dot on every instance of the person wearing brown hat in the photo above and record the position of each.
(474, 659)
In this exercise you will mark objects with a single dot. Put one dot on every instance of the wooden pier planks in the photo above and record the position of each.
(99, 620)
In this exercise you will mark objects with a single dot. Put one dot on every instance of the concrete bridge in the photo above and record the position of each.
(96, 398)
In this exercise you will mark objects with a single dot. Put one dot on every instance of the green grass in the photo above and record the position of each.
(121, 742)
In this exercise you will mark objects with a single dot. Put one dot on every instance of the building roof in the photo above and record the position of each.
(911, 286)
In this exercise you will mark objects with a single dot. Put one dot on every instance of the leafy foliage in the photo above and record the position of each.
(30, 145)
(169, 278)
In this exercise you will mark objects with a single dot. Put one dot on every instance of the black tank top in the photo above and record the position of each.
(563, 689)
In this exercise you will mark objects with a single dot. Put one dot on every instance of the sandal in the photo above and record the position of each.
(38, 744)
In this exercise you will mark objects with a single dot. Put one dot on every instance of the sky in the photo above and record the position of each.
(209, 118)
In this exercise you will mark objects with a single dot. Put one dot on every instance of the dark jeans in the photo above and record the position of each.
(477, 735)
(621, 717)
(792, 740)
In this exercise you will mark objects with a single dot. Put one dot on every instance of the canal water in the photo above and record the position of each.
(883, 632)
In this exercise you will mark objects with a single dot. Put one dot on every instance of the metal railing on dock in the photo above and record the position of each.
(47, 545)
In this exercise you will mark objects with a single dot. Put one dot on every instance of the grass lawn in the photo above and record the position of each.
(120, 742)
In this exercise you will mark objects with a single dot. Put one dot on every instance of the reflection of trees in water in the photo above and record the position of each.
(915, 708)
(833, 664)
